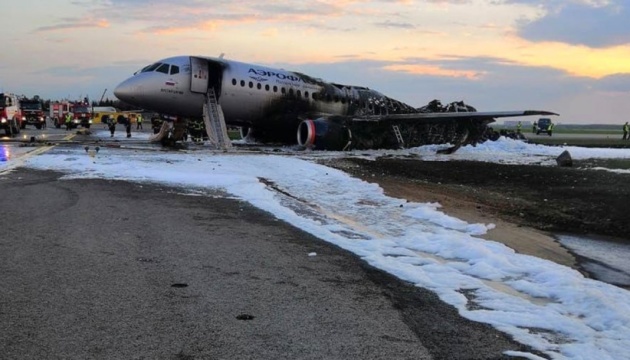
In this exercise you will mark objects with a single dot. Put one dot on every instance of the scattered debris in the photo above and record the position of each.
(245, 317)
(564, 159)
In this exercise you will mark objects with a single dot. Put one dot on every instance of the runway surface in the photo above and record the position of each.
(110, 269)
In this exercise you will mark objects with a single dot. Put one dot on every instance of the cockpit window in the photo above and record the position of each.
(163, 68)
(174, 69)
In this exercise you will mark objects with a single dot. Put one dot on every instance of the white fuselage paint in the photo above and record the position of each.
(246, 91)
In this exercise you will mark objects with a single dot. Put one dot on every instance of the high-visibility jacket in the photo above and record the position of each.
(626, 127)
(550, 127)
(139, 119)
(68, 118)
(519, 126)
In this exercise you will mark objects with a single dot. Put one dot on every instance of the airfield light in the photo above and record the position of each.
(5, 154)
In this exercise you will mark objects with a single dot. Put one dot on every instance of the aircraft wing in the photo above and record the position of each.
(432, 117)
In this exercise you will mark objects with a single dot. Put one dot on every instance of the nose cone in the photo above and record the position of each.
(129, 91)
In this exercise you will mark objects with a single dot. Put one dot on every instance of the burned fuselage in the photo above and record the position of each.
(288, 107)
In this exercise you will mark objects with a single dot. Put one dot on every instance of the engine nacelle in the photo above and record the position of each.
(323, 134)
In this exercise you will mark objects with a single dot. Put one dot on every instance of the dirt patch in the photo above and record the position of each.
(526, 202)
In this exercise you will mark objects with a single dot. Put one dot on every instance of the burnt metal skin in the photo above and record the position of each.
(276, 105)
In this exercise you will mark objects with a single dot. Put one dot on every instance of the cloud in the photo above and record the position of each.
(170, 17)
(617, 83)
(419, 69)
(75, 23)
(592, 23)
(391, 24)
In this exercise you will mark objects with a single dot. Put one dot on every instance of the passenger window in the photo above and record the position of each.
(299, 93)
(275, 88)
(267, 87)
(234, 82)
(174, 69)
(283, 90)
(306, 94)
(291, 92)
(163, 68)
(243, 83)
(258, 86)
(251, 84)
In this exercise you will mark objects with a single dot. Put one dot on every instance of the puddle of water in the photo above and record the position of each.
(605, 260)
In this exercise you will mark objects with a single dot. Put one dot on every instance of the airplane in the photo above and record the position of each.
(287, 107)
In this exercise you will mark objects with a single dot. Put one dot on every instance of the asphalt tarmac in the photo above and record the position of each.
(110, 269)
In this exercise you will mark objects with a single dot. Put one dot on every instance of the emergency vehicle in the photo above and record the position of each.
(82, 115)
(80, 112)
(33, 113)
(10, 114)
(543, 126)
(58, 111)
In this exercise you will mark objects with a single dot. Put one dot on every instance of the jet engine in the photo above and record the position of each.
(324, 134)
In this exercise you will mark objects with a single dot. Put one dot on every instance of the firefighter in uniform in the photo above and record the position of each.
(195, 131)
(519, 126)
(550, 128)
(128, 126)
(534, 127)
(139, 122)
(68, 121)
(111, 124)
(625, 131)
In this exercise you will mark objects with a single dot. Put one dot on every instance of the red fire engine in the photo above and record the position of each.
(10, 114)
(58, 112)
(32, 113)
(81, 113)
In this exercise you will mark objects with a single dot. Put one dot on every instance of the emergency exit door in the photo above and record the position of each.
(199, 75)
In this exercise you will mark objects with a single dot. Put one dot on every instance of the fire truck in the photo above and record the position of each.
(10, 114)
(58, 111)
(32, 112)
(81, 113)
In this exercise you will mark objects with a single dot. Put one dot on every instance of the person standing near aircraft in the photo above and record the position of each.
(68, 120)
(139, 122)
(534, 127)
(519, 126)
(550, 128)
(626, 127)
(196, 131)
(111, 124)
(128, 126)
